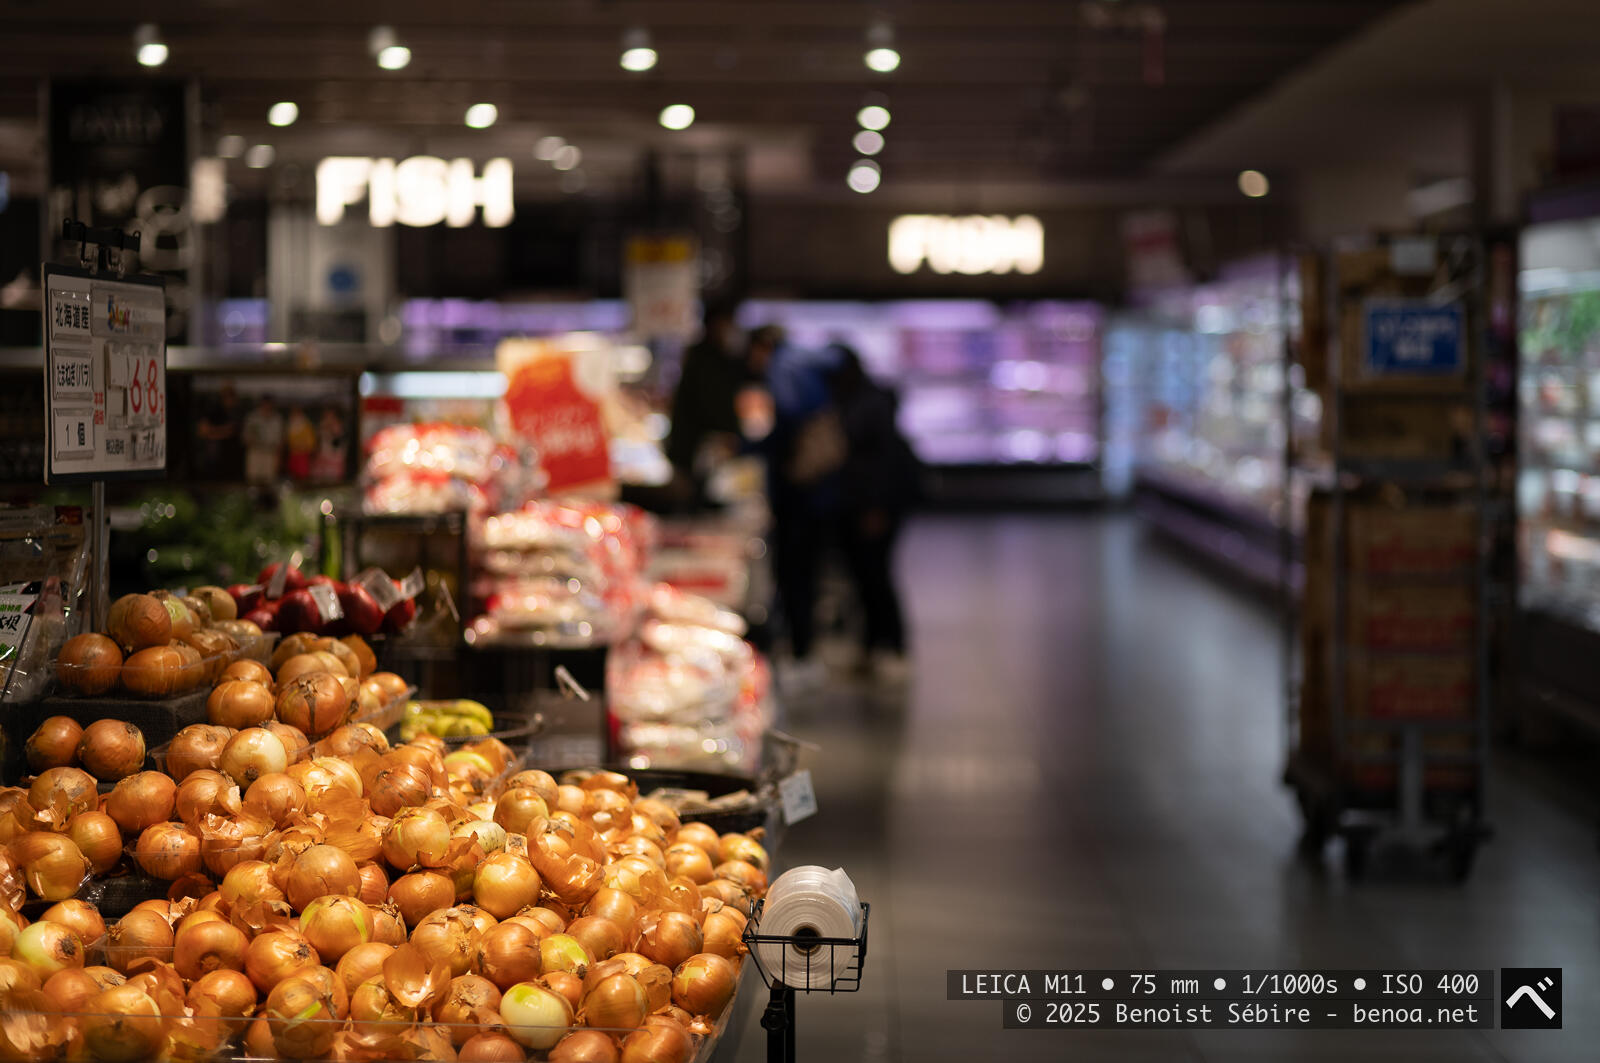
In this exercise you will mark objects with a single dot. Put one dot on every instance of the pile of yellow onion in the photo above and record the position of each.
(363, 902)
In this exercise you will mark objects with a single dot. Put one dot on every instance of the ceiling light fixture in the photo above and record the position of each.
(148, 47)
(567, 158)
(384, 46)
(874, 117)
(260, 156)
(545, 148)
(864, 176)
(677, 116)
(868, 141)
(637, 53)
(283, 113)
(482, 115)
(881, 54)
(1254, 183)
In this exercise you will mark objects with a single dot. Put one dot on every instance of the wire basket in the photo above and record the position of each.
(811, 946)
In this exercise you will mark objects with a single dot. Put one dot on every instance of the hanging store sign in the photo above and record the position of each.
(1412, 338)
(419, 191)
(974, 245)
(105, 376)
(661, 279)
(555, 393)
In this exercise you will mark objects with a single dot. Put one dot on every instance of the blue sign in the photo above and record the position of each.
(1414, 339)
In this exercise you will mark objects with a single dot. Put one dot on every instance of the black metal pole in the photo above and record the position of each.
(778, 1021)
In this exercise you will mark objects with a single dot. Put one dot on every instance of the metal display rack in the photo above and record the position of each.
(1409, 750)
(779, 1018)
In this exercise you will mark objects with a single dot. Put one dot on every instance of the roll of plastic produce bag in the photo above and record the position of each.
(807, 901)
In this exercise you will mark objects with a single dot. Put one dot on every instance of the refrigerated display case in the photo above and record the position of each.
(1558, 476)
(1006, 389)
(1201, 418)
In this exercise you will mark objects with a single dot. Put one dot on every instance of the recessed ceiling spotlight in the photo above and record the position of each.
(567, 158)
(1254, 183)
(482, 115)
(283, 113)
(637, 53)
(867, 141)
(545, 148)
(873, 116)
(881, 55)
(677, 116)
(148, 47)
(385, 47)
(864, 176)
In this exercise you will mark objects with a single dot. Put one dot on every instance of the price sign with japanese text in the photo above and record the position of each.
(105, 376)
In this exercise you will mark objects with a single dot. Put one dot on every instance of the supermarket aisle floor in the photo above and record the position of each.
(1083, 773)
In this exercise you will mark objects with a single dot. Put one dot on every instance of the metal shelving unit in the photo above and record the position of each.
(1335, 786)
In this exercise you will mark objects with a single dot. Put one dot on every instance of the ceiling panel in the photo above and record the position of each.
(1019, 90)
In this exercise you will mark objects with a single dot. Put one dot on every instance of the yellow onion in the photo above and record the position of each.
(421, 893)
(314, 702)
(111, 749)
(616, 1002)
(374, 883)
(417, 836)
(69, 989)
(227, 842)
(609, 811)
(362, 962)
(723, 931)
(294, 740)
(491, 1046)
(745, 848)
(701, 835)
(507, 954)
(54, 744)
(249, 882)
(336, 924)
(504, 884)
(168, 851)
(660, 813)
(122, 1025)
(274, 955)
(730, 893)
(330, 983)
(239, 703)
(534, 1016)
(224, 993)
(252, 753)
(80, 917)
(318, 871)
(140, 935)
(45, 948)
(550, 920)
(11, 925)
(200, 948)
(517, 810)
(277, 797)
(662, 1040)
(470, 1003)
(52, 865)
(704, 983)
(613, 904)
(387, 925)
(600, 936)
(690, 861)
(321, 776)
(205, 792)
(61, 793)
(196, 746)
(668, 937)
(450, 937)
(567, 984)
(249, 670)
(399, 785)
(300, 1012)
(634, 845)
(563, 952)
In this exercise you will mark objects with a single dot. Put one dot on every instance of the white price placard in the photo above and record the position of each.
(798, 797)
(105, 376)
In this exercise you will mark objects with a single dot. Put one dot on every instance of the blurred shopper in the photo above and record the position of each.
(220, 455)
(877, 485)
(263, 442)
(805, 454)
(705, 423)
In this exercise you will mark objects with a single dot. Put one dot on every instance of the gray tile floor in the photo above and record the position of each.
(1084, 773)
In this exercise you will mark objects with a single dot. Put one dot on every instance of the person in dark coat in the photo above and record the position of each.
(705, 421)
(877, 486)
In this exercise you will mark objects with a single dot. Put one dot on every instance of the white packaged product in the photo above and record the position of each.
(806, 901)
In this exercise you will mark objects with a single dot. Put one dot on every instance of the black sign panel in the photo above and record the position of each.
(119, 158)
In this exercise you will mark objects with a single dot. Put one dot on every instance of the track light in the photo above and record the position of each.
(677, 116)
(385, 47)
(637, 53)
(881, 54)
(148, 47)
